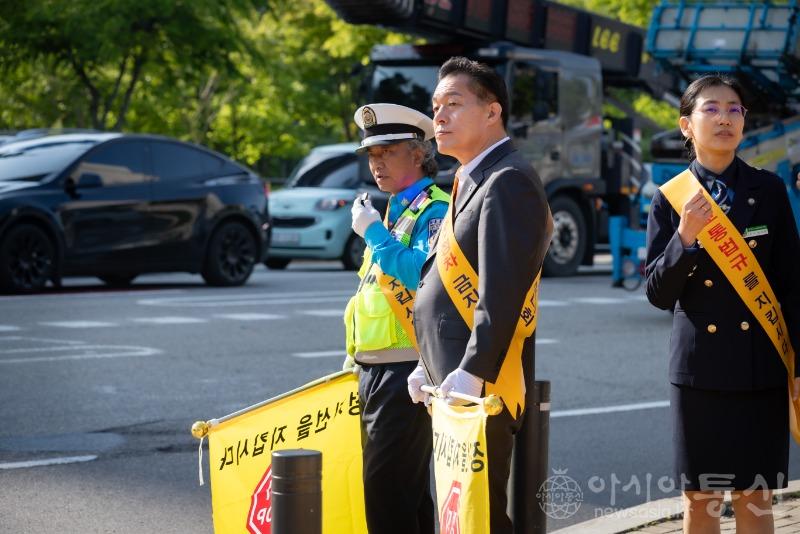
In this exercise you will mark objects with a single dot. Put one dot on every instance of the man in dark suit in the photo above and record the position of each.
(502, 224)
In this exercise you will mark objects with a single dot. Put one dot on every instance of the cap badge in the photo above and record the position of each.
(368, 116)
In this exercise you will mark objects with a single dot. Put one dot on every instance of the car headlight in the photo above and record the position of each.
(332, 204)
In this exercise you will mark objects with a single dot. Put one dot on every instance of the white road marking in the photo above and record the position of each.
(43, 340)
(8, 328)
(54, 350)
(599, 300)
(262, 299)
(107, 352)
(324, 313)
(170, 320)
(543, 303)
(610, 409)
(78, 324)
(250, 316)
(49, 461)
(320, 354)
(340, 352)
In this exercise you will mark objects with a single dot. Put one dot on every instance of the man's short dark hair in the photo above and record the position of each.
(485, 82)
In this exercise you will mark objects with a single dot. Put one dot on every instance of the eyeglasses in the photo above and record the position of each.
(711, 111)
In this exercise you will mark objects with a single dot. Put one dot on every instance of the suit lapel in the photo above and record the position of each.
(477, 176)
(746, 198)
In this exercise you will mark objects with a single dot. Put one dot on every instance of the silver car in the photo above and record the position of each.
(311, 216)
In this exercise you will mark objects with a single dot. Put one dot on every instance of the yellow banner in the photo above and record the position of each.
(738, 263)
(461, 282)
(461, 468)
(324, 417)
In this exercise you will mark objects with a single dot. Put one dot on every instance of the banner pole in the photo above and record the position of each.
(200, 429)
(492, 404)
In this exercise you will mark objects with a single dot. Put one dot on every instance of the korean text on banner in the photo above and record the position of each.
(461, 468)
(325, 417)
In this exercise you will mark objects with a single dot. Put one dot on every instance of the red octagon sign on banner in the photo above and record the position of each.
(450, 524)
(259, 519)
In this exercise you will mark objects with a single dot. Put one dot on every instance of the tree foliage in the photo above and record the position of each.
(261, 81)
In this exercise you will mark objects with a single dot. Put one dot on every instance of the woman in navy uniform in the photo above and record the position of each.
(729, 400)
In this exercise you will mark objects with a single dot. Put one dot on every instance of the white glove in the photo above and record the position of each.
(461, 381)
(363, 216)
(350, 364)
(416, 380)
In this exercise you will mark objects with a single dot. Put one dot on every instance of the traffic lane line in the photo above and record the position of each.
(579, 412)
(248, 299)
(169, 320)
(341, 352)
(49, 461)
(46, 349)
(320, 354)
(105, 352)
(250, 316)
(78, 324)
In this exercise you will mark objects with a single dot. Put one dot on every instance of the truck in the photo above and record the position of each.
(759, 45)
(558, 63)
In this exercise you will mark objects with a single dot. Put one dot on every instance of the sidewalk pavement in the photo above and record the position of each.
(665, 516)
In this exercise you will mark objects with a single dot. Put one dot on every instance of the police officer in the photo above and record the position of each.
(728, 384)
(380, 337)
(502, 226)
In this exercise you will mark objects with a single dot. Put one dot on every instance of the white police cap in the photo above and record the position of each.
(385, 124)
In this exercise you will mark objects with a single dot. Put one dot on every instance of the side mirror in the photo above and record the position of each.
(89, 180)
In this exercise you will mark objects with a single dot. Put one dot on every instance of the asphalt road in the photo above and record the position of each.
(98, 389)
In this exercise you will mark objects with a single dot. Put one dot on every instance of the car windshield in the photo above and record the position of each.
(35, 162)
(326, 169)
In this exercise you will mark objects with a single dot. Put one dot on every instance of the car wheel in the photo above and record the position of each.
(569, 238)
(277, 263)
(231, 255)
(27, 259)
(117, 280)
(353, 255)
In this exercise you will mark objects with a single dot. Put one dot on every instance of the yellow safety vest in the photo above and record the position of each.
(738, 263)
(379, 316)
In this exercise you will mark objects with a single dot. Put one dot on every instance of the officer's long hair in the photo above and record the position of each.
(692, 93)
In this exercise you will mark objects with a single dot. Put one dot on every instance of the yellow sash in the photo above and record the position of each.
(727, 248)
(461, 282)
(400, 298)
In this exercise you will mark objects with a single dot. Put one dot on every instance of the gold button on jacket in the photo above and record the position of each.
(752, 243)
(745, 325)
(712, 328)
(708, 283)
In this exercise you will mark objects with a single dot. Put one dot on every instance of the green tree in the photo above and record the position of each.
(107, 48)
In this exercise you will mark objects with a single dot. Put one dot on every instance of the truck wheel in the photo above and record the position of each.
(569, 238)
(27, 259)
(353, 254)
(231, 255)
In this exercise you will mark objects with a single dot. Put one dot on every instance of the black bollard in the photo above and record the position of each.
(297, 492)
(529, 463)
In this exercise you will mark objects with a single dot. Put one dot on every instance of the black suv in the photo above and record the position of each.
(115, 205)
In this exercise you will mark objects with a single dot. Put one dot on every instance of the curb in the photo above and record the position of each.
(644, 514)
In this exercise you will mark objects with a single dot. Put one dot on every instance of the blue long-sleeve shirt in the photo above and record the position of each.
(395, 259)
